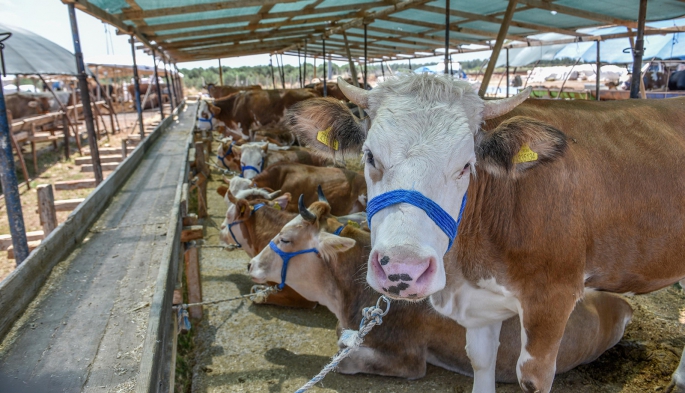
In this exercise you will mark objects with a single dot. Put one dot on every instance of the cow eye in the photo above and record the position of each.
(285, 241)
(369, 159)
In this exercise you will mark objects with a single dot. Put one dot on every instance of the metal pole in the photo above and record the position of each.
(507, 72)
(136, 86)
(304, 73)
(330, 68)
(638, 51)
(159, 89)
(271, 67)
(504, 27)
(180, 83)
(168, 85)
(221, 74)
(382, 70)
(451, 70)
(366, 59)
(447, 34)
(409, 64)
(10, 186)
(597, 79)
(299, 65)
(85, 97)
(323, 71)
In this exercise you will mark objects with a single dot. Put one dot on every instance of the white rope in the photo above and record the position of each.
(352, 339)
(259, 293)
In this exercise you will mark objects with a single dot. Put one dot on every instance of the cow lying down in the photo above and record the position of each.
(345, 189)
(255, 157)
(249, 226)
(413, 334)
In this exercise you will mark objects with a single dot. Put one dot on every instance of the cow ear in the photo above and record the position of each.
(243, 208)
(282, 200)
(519, 144)
(327, 125)
(215, 109)
(330, 245)
(222, 190)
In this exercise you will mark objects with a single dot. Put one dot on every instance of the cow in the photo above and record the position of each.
(345, 189)
(555, 197)
(246, 110)
(152, 101)
(414, 334)
(255, 157)
(332, 90)
(24, 105)
(676, 81)
(219, 91)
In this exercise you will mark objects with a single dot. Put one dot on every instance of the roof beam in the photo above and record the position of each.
(236, 38)
(422, 36)
(496, 20)
(548, 5)
(453, 27)
(164, 37)
(137, 13)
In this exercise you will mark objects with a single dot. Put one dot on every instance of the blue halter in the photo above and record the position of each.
(244, 168)
(228, 151)
(285, 256)
(340, 229)
(439, 216)
(211, 117)
(230, 226)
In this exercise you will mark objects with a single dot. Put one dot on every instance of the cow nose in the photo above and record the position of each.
(402, 274)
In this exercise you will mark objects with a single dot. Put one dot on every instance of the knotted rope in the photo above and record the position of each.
(352, 339)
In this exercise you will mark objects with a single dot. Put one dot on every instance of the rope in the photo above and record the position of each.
(258, 292)
(352, 339)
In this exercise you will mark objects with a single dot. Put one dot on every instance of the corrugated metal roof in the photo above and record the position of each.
(205, 29)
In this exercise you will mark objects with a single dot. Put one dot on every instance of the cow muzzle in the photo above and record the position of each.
(405, 274)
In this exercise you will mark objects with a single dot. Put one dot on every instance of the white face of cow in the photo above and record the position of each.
(252, 156)
(420, 137)
(206, 120)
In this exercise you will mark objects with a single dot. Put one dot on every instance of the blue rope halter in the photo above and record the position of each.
(228, 151)
(230, 226)
(439, 216)
(340, 229)
(285, 256)
(244, 168)
(211, 117)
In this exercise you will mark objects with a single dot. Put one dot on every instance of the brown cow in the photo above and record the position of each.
(219, 91)
(25, 105)
(567, 196)
(345, 189)
(246, 110)
(414, 335)
(256, 157)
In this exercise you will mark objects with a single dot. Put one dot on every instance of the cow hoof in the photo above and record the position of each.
(529, 387)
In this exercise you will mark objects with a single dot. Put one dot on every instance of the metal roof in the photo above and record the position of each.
(189, 30)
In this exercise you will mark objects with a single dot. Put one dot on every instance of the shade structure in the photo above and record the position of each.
(28, 53)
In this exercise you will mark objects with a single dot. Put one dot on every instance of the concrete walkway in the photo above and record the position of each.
(84, 332)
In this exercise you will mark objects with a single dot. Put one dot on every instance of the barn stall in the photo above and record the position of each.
(243, 346)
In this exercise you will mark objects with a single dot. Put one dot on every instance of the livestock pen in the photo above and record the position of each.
(144, 287)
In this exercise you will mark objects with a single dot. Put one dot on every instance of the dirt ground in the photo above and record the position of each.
(53, 167)
(243, 347)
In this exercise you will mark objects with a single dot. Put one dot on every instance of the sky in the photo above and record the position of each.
(50, 19)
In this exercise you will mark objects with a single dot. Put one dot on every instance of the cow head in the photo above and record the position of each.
(252, 156)
(304, 232)
(422, 134)
(206, 120)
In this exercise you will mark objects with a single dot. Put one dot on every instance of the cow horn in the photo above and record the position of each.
(496, 108)
(304, 212)
(274, 194)
(354, 94)
(322, 197)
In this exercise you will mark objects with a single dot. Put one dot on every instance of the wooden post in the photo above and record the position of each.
(159, 89)
(507, 49)
(65, 110)
(221, 74)
(638, 51)
(299, 67)
(323, 71)
(65, 127)
(34, 153)
(124, 151)
(353, 70)
(136, 83)
(597, 79)
(504, 27)
(46, 208)
(194, 283)
(203, 175)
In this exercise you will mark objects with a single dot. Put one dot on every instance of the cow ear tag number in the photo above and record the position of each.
(322, 136)
(525, 155)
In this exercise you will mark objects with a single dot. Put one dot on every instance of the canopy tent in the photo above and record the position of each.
(205, 29)
(28, 53)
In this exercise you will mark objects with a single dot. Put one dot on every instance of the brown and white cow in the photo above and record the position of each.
(25, 105)
(219, 91)
(413, 334)
(562, 196)
(345, 189)
(254, 158)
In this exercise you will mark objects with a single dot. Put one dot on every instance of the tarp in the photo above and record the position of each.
(28, 53)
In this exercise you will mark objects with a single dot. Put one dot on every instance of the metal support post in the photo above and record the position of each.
(304, 68)
(271, 67)
(299, 65)
(598, 74)
(323, 71)
(221, 74)
(638, 51)
(447, 35)
(507, 72)
(169, 87)
(85, 97)
(159, 89)
(366, 59)
(136, 86)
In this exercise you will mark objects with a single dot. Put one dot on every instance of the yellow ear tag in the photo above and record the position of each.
(277, 206)
(353, 224)
(322, 136)
(242, 209)
(525, 155)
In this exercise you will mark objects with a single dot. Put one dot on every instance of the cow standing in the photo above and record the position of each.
(564, 196)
